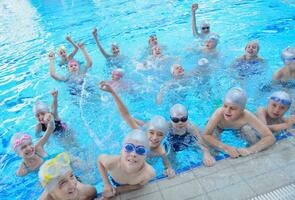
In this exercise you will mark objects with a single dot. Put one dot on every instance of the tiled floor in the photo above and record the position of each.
(235, 179)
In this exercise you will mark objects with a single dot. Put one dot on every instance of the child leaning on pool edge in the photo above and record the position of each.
(128, 171)
(233, 115)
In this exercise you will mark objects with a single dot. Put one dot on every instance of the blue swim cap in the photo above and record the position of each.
(236, 96)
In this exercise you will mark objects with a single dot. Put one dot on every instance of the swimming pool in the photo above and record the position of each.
(30, 29)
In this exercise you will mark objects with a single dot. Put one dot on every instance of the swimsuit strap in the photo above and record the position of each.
(27, 168)
(39, 155)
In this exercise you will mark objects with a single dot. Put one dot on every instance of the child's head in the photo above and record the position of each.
(57, 178)
(205, 28)
(73, 66)
(179, 116)
(234, 103)
(39, 110)
(203, 62)
(288, 55)
(134, 149)
(212, 42)
(176, 70)
(22, 144)
(62, 51)
(156, 51)
(278, 104)
(115, 49)
(156, 130)
(153, 41)
(252, 48)
(117, 74)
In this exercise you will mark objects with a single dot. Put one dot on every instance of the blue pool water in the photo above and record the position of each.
(30, 29)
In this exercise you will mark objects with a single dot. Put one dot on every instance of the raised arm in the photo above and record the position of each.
(120, 105)
(52, 69)
(194, 26)
(86, 55)
(49, 119)
(76, 48)
(54, 105)
(104, 53)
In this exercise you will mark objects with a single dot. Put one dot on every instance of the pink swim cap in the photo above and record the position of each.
(73, 62)
(118, 72)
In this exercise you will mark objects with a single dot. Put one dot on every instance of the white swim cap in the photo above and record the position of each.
(203, 62)
(214, 38)
(281, 97)
(178, 110)
(40, 107)
(288, 55)
(53, 170)
(236, 96)
(18, 139)
(158, 123)
(173, 68)
(138, 136)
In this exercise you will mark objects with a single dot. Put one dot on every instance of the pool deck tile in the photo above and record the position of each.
(236, 179)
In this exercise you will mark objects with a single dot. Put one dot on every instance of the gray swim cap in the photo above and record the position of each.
(288, 55)
(236, 96)
(158, 123)
(281, 97)
(203, 62)
(40, 107)
(178, 110)
(138, 136)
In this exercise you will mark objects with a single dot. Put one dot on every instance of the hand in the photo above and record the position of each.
(105, 87)
(291, 120)
(94, 32)
(169, 172)
(68, 38)
(244, 151)
(81, 45)
(208, 160)
(108, 191)
(49, 120)
(51, 56)
(54, 93)
(195, 6)
(233, 152)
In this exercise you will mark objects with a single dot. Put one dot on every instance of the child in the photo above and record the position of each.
(205, 28)
(210, 45)
(288, 71)
(62, 52)
(116, 82)
(156, 128)
(233, 115)
(40, 109)
(272, 116)
(127, 171)
(57, 178)
(75, 75)
(33, 155)
(251, 54)
(183, 133)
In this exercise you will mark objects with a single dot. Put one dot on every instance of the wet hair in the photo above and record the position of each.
(158, 123)
(61, 48)
(236, 96)
(178, 110)
(138, 136)
(254, 42)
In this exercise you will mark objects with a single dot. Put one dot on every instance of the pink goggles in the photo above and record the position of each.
(21, 140)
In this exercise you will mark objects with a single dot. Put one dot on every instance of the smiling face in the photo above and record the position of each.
(178, 70)
(231, 111)
(66, 187)
(156, 51)
(73, 67)
(205, 28)
(252, 48)
(115, 50)
(155, 138)
(40, 117)
(62, 54)
(26, 149)
(276, 110)
(182, 121)
(131, 160)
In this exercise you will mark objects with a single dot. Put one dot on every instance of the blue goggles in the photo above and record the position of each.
(140, 150)
(284, 102)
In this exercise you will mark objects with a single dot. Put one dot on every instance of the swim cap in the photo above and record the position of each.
(40, 107)
(115, 44)
(288, 55)
(281, 97)
(214, 38)
(236, 96)
(138, 136)
(61, 48)
(178, 110)
(53, 170)
(18, 139)
(73, 62)
(158, 123)
(203, 62)
(118, 72)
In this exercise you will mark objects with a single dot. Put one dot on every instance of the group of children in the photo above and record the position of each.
(132, 169)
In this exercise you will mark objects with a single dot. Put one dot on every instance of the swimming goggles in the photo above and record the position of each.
(21, 140)
(206, 27)
(176, 119)
(285, 102)
(140, 150)
(55, 167)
